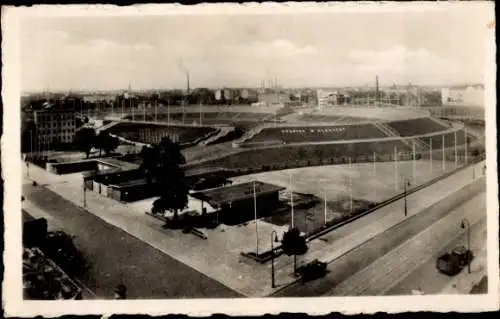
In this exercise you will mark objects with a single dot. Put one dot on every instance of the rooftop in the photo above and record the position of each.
(225, 195)
(130, 183)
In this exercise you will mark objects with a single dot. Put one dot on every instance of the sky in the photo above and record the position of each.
(238, 50)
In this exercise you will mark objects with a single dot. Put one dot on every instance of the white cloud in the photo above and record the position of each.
(402, 63)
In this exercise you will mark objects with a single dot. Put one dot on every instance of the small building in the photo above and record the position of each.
(128, 184)
(235, 204)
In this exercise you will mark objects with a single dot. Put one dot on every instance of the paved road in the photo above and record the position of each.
(344, 271)
(117, 256)
(380, 276)
(428, 280)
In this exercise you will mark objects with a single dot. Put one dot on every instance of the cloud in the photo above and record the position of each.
(292, 49)
(401, 62)
(270, 50)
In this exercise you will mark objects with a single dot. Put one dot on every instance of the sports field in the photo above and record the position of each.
(363, 183)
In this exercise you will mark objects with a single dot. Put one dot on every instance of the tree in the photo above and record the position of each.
(84, 140)
(294, 244)
(158, 207)
(161, 166)
(105, 142)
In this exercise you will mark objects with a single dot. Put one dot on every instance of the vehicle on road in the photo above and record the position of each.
(451, 263)
(313, 270)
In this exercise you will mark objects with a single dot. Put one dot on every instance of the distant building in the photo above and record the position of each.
(218, 95)
(53, 124)
(469, 95)
(274, 98)
(330, 98)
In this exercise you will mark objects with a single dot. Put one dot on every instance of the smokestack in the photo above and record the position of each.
(377, 96)
(187, 79)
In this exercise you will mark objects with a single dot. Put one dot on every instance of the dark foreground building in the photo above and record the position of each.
(130, 185)
(235, 204)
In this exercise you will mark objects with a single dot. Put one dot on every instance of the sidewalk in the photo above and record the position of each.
(219, 256)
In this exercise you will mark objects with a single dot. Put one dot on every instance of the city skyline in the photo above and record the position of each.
(147, 52)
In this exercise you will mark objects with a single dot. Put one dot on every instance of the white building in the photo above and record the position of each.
(327, 98)
(55, 124)
(469, 96)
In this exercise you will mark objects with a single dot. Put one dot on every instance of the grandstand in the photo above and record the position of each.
(152, 133)
(416, 126)
(273, 138)
(297, 134)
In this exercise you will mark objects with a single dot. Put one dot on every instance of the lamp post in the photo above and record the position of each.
(407, 183)
(84, 195)
(256, 221)
(274, 238)
(465, 224)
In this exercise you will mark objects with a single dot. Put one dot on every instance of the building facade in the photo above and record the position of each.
(469, 95)
(55, 125)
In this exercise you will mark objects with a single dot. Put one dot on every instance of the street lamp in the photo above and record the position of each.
(84, 195)
(274, 238)
(465, 224)
(407, 183)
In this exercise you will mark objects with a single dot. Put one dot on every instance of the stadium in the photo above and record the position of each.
(248, 139)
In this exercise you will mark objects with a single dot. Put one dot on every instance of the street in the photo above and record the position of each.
(378, 266)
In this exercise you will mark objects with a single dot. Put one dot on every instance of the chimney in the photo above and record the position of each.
(377, 96)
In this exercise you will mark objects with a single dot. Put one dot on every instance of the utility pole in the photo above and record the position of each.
(200, 114)
(325, 205)
(444, 154)
(256, 221)
(466, 146)
(396, 169)
(465, 224)
(414, 161)
(430, 156)
(84, 196)
(374, 174)
(274, 237)
(350, 193)
(406, 202)
(291, 198)
(456, 153)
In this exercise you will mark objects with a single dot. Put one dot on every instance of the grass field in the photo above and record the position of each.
(367, 186)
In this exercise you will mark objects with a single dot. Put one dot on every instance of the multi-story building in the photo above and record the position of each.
(328, 98)
(55, 125)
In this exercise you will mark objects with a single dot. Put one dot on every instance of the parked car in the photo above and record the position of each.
(451, 263)
(313, 270)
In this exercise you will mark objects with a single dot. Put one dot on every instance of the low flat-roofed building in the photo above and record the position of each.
(235, 203)
(127, 182)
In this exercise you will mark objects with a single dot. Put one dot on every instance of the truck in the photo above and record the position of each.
(452, 263)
